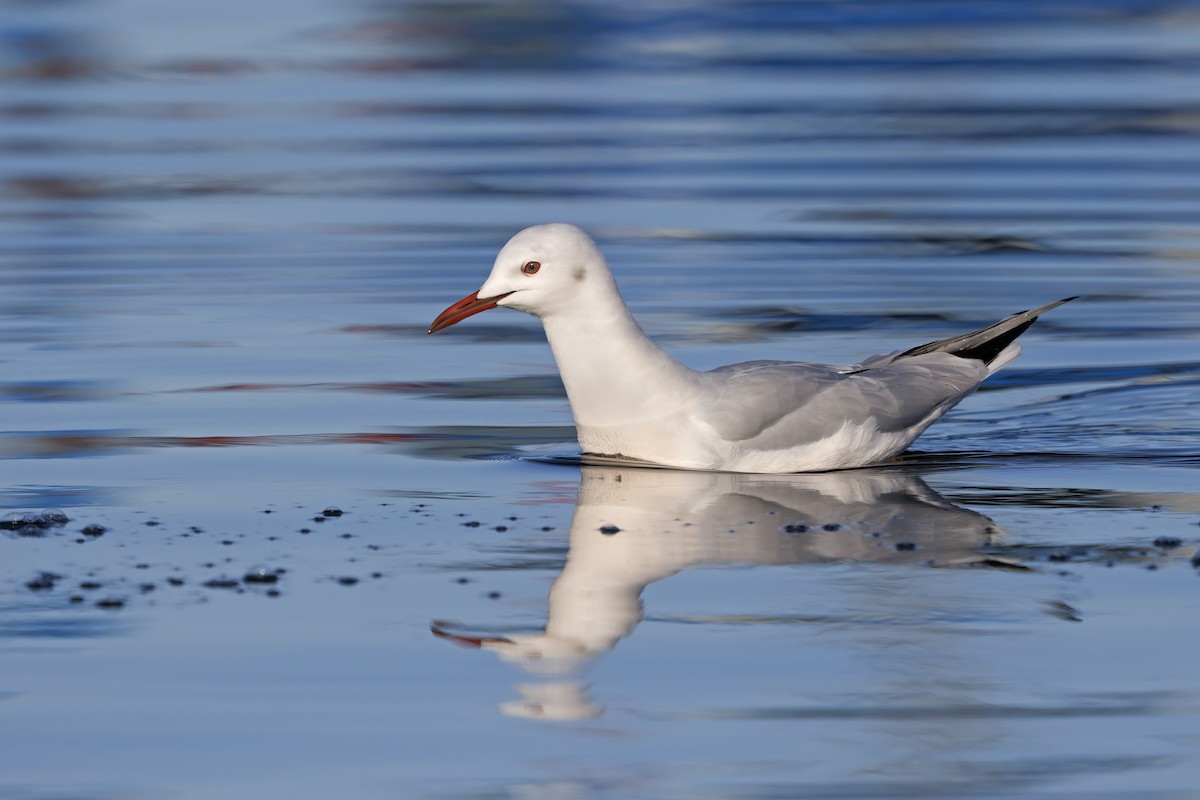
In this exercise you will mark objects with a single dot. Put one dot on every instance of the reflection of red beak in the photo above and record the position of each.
(468, 306)
(467, 641)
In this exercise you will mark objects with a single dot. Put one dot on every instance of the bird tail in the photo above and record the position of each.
(993, 345)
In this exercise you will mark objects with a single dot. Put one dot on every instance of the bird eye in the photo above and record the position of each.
(531, 267)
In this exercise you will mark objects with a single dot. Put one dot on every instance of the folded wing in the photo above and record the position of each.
(781, 403)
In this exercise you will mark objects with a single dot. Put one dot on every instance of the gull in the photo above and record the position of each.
(632, 401)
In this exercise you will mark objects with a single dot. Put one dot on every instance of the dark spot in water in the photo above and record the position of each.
(141, 566)
(306, 530)
(175, 581)
(110, 603)
(14, 522)
(796, 528)
(318, 519)
(462, 580)
(547, 528)
(332, 511)
(152, 523)
(501, 528)
(347, 580)
(1058, 557)
(25, 524)
(226, 542)
(831, 526)
(75, 599)
(609, 530)
(91, 586)
(260, 575)
(146, 588)
(221, 583)
(1167, 542)
(998, 563)
(376, 575)
(905, 547)
(196, 529)
(94, 530)
(268, 511)
(1064, 611)
(1152, 567)
(346, 536)
(472, 524)
(493, 595)
(43, 581)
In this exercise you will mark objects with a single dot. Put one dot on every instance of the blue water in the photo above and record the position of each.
(225, 227)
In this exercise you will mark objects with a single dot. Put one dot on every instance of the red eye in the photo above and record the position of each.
(531, 267)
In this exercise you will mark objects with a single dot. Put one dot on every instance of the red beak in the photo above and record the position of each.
(470, 305)
(467, 641)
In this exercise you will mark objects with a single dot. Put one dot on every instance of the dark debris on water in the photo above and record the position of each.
(43, 581)
(264, 579)
(33, 524)
(261, 575)
(113, 592)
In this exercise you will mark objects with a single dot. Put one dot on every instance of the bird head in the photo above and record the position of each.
(542, 271)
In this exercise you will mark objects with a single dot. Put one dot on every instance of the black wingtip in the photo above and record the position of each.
(988, 351)
(986, 344)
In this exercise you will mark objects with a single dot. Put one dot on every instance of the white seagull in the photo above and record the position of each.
(631, 400)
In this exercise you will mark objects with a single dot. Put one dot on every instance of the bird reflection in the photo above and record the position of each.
(634, 526)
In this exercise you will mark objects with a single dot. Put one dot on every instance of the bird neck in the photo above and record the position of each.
(612, 371)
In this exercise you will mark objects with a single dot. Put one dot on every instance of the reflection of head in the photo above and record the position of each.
(541, 654)
(633, 526)
(561, 701)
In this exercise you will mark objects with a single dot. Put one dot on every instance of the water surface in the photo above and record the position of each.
(225, 228)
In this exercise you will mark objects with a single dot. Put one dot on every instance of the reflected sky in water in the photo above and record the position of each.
(224, 228)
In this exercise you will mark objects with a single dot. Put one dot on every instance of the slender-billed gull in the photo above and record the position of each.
(632, 400)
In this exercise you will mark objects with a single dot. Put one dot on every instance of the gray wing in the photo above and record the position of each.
(794, 403)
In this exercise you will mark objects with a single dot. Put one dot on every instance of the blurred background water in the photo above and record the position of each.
(224, 228)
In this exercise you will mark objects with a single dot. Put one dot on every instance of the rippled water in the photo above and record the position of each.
(224, 228)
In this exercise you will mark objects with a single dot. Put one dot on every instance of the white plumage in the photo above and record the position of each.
(630, 399)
